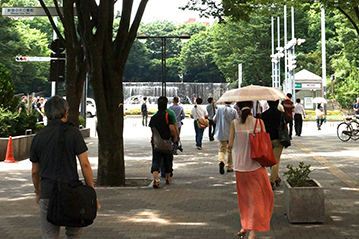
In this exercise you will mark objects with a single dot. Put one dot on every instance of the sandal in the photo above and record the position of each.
(156, 184)
(242, 233)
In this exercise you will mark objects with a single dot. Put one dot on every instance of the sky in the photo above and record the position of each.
(165, 10)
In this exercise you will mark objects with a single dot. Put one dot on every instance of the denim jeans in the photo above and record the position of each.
(199, 134)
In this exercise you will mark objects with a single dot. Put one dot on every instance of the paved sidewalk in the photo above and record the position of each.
(200, 203)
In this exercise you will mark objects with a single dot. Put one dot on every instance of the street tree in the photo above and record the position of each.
(92, 48)
(197, 61)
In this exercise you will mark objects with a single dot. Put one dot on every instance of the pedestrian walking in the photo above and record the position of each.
(255, 197)
(289, 109)
(198, 112)
(271, 119)
(211, 109)
(319, 116)
(223, 119)
(44, 173)
(144, 111)
(299, 114)
(163, 122)
(180, 115)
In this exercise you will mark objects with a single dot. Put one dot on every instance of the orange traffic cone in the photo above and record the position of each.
(9, 153)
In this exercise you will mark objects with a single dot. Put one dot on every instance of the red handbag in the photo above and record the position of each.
(261, 147)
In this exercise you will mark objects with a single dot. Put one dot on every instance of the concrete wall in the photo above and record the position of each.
(21, 145)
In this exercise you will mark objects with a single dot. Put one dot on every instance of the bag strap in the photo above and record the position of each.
(255, 126)
(167, 119)
(61, 148)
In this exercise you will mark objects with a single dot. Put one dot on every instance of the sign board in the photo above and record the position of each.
(308, 105)
(28, 11)
(305, 86)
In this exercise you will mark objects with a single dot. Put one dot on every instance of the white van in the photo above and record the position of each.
(90, 107)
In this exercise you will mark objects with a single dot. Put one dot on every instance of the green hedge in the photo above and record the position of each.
(13, 124)
(138, 112)
(329, 112)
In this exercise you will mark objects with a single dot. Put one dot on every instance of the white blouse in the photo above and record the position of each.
(241, 151)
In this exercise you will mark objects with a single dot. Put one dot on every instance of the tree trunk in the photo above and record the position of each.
(109, 101)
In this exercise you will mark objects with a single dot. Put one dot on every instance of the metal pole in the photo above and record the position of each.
(163, 66)
(324, 63)
(273, 63)
(293, 52)
(285, 51)
(54, 83)
(278, 66)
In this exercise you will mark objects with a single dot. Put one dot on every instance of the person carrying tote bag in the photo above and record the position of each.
(199, 113)
(255, 196)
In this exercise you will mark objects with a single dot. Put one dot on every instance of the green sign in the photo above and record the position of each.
(298, 85)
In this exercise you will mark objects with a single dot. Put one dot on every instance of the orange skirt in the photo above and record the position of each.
(255, 199)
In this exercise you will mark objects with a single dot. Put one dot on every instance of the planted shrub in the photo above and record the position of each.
(299, 176)
(13, 124)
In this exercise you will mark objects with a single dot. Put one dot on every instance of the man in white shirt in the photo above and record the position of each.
(198, 112)
(299, 114)
(223, 119)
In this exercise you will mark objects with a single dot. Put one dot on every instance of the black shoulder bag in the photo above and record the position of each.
(284, 138)
(71, 204)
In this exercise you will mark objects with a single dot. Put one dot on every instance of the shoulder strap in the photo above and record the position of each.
(167, 119)
(255, 126)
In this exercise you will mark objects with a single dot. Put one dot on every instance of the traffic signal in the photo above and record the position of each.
(57, 65)
(21, 58)
(291, 62)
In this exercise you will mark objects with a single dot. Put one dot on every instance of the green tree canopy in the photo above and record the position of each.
(7, 90)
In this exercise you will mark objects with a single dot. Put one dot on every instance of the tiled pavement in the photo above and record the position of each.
(200, 203)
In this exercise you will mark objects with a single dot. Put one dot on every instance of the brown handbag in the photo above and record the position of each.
(202, 123)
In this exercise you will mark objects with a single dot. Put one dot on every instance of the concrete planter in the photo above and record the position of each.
(21, 145)
(304, 204)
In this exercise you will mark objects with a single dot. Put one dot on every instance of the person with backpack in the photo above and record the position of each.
(163, 123)
(144, 111)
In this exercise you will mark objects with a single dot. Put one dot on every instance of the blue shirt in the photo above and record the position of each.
(224, 117)
(180, 115)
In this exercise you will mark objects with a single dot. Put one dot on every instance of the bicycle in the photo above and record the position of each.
(348, 129)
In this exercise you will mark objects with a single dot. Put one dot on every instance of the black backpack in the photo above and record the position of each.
(144, 107)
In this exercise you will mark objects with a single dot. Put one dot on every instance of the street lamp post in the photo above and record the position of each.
(184, 38)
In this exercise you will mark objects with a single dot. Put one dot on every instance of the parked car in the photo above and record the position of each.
(90, 107)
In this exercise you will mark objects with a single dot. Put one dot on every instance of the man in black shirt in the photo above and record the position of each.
(44, 152)
(164, 123)
(271, 119)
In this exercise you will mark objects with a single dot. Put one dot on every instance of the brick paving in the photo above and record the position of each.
(200, 203)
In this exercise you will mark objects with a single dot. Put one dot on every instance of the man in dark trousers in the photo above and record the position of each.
(44, 147)
(289, 109)
(211, 109)
(144, 111)
(164, 124)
